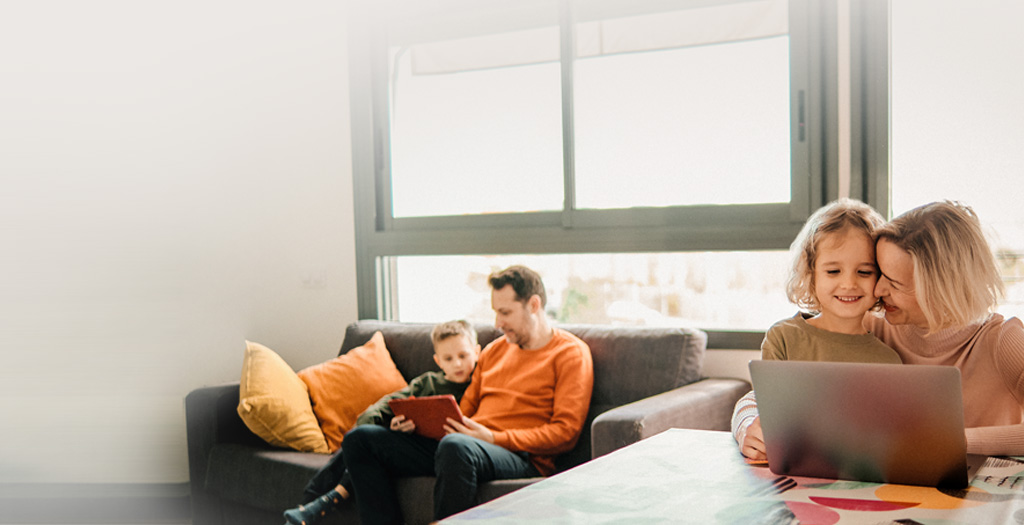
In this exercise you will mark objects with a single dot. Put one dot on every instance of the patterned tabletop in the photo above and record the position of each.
(697, 476)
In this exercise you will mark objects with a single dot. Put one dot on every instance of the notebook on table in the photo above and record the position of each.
(881, 423)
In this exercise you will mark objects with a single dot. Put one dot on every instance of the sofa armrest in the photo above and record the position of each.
(211, 417)
(704, 405)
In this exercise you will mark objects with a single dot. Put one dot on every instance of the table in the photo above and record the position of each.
(698, 476)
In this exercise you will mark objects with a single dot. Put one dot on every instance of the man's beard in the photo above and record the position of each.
(517, 338)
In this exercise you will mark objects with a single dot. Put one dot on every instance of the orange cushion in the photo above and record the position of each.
(345, 386)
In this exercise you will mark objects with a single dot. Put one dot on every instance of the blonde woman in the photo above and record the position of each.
(939, 284)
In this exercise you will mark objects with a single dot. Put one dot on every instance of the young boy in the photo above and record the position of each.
(455, 351)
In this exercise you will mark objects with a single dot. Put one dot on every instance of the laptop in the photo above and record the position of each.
(882, 423)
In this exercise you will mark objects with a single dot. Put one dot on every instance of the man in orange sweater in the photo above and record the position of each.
(526, 403)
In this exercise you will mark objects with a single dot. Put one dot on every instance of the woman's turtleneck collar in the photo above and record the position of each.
(941, 342)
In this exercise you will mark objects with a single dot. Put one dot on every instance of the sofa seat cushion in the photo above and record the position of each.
(265, 478)
(273, 479)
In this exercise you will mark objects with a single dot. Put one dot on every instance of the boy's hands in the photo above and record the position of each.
(470, 428)
(400, 424)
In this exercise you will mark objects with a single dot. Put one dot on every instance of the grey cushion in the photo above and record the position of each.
(630, 363)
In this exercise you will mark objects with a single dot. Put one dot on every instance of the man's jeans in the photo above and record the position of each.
(375, 455)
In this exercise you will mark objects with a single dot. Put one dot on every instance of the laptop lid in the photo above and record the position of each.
(866, 422)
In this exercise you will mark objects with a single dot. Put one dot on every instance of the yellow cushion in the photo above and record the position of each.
(343, 387)
(274, 402)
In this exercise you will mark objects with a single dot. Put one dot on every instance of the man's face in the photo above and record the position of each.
(513, 317)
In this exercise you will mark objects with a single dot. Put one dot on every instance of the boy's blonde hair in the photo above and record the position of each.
(956, 279)
(448, 329)
(835, 217)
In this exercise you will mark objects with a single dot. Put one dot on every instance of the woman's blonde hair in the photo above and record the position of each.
(956, 279)
(837, 216)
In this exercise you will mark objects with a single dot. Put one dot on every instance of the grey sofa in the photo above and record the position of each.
(646, 380)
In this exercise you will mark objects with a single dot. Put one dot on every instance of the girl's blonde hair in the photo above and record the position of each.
(838, 216)
(956, 279)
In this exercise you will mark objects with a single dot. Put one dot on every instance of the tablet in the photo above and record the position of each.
(430, 413)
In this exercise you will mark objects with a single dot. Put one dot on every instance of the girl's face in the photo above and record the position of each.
(844, 280)
(896, 286)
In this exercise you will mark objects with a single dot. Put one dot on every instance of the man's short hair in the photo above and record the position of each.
(523, 280)
(449, 329)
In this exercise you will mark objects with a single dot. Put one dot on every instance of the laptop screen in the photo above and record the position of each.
(864, 422)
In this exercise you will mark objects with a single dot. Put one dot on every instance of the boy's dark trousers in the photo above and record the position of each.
(329, 476)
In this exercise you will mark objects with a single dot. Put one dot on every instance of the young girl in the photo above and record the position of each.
(833, 279)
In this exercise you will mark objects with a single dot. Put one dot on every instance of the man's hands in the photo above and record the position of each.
(466, 426)
(751, 441)
(400, 424)
(470, 428)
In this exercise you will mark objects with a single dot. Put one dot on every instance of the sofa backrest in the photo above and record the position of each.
(630, 363)
(409, 343)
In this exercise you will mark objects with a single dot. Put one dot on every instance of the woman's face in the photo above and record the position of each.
(895, 287)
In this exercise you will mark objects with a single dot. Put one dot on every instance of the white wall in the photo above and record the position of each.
(175, 177)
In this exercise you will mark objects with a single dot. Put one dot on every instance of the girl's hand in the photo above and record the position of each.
(752, 442)
(400, 424)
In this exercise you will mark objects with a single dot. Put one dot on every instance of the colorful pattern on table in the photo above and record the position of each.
(995, 496)
(692, 476)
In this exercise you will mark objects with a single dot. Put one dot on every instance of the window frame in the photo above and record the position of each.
(814, 160)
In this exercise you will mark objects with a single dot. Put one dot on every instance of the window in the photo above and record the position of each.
(667, 139)
(683, 108)
(722, 291)
(470, 114)
(956, 114)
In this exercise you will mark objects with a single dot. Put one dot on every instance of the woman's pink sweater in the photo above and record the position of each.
(990, 356)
